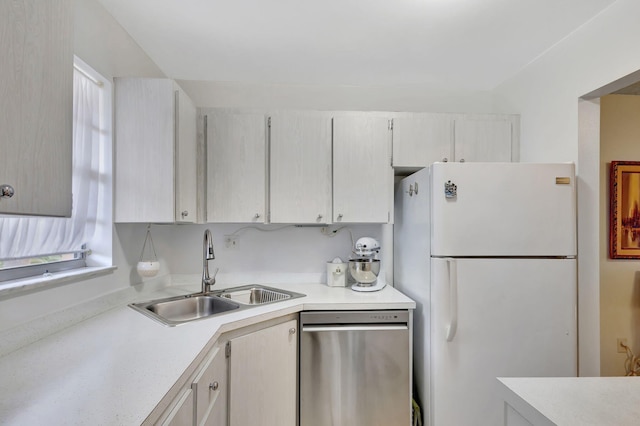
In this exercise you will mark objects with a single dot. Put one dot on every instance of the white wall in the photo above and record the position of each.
(102, 43)
(546, 92)
(348, 98)
(546, 95)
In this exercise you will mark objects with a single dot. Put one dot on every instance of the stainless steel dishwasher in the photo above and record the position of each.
(355, 368)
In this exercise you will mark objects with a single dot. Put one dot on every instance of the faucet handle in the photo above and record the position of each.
(208, 282)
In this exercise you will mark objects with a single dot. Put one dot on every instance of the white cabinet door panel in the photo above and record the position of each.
(362, 172)
(36, 106)
(421, 139)
(210, 386)
(236, 157)
(182, 412)
(263, 377)
(144, 164)
(185, 161)
(155, 166)
(483, 140)
(300, 168)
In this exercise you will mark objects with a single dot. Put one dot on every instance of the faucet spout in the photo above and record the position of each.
(207, 255)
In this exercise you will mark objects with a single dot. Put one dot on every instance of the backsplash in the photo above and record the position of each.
(261, 252)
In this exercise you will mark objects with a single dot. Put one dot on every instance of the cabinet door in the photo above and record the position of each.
(181, 414)
(263, 377)
(362, 172)
(36, 106)
(300, 168)
(483, 139)
(144, 165)
(236, 167)
(421, 139)
(210, 387)
(185, 158)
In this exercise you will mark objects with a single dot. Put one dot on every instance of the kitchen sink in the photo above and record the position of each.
(257, 294)
(181, 309)
(177, 310)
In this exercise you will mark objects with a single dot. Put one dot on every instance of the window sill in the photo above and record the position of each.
(26, 285)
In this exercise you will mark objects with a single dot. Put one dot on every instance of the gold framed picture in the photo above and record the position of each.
(624, 214)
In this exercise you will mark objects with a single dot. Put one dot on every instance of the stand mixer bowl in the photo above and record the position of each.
(364, 271)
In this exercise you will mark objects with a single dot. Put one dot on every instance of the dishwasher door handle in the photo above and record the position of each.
(359, 327)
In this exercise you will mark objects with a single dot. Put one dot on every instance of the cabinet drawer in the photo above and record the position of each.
(210, 387)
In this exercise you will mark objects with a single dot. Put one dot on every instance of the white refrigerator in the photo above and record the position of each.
(488, 252)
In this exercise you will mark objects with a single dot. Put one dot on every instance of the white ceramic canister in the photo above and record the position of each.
(337, 273)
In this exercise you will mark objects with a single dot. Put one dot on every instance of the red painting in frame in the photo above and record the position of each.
(624, 213)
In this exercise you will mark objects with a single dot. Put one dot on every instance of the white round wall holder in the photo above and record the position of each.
(148, 266)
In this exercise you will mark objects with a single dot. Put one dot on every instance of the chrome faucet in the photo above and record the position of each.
(207, 255)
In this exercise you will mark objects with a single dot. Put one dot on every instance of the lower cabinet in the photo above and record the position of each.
(247, 376)
(181, 412)
(210, 388)
(263, 377)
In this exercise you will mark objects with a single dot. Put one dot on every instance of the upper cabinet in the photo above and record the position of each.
(309, 167)
(422, 139)
(483, 138)
(236, 167)
(36, 83)
(300, 168)
(156, 141)
(362, 172)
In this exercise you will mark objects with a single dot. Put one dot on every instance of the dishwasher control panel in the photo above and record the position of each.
(355, 317)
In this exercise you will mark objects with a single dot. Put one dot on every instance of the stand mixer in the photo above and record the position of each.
(365, 267)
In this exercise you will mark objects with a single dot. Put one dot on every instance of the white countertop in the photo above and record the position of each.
(114, 368)
(579, 401)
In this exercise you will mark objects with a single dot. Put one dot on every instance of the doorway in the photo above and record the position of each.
(609, 290)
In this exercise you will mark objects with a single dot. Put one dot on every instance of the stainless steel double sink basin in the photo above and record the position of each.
(177, 310)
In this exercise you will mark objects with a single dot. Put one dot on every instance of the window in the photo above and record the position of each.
(31, 246)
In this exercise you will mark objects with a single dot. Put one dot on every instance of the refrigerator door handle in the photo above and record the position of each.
(453, 299)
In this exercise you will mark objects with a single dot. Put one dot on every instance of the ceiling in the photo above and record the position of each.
(439, 44)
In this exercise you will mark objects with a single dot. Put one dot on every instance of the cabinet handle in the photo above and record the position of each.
(410, 191)
(340, 216)
(462, 160)
(257, 216)
(445, 159)
(213, 386)
(184, 214)
(319, 216)
(6, 191)
(292, 330)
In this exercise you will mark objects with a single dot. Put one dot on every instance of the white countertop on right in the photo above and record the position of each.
(579, 401)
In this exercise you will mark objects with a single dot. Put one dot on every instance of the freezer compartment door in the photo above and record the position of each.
(503, 209)
(497, 318)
